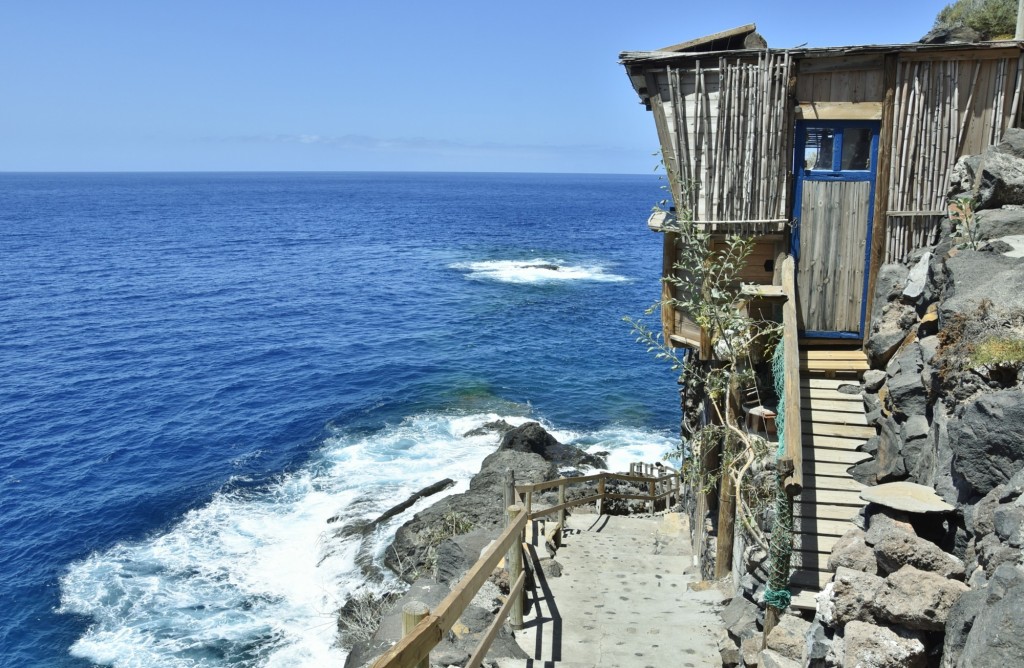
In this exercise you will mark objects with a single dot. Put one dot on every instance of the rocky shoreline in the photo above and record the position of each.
(434, 549)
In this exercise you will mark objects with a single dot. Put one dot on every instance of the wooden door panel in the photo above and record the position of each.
(833, 234)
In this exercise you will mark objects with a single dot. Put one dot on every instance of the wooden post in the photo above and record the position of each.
(600, 490)
(412, 613)
(514, 559)
(529, 502)
(510, 490)
(561, 501)
(879, 227)
(652, 488)
(727, 494)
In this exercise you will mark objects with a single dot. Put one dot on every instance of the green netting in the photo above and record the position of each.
(776, 593)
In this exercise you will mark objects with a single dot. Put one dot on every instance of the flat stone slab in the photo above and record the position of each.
(906, 496)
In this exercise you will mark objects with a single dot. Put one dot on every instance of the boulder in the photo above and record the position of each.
(979, 608)
(870, 646)
(917, 599)
(956, 34)
(850, 551)
(531, 437)
(889, 462)
(1000, 180)
(987, 439)
(917, 279)
(787, 638)
(873, 380)
(852, 595)
(907, 392)
(740, 618)
(750, 650)
(817, 645)
(996, 223)
(963, 176)
(975, 276)
(881, 520)
(773, 659)
(897, 549)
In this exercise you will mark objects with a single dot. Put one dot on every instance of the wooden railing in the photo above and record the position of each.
(422, 630)
(791, 464)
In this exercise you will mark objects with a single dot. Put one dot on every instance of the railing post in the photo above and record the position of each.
(510, 490)
(514, 560)
(561, 500)
(412, 613)
(600, 490)
(529, 503)
(651, 490)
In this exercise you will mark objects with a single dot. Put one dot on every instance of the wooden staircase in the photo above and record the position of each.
(833, 426)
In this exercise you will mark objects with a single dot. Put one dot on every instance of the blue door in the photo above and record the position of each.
(833, 210)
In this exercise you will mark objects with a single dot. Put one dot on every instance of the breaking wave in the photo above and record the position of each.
(256, 576)
(535, 271)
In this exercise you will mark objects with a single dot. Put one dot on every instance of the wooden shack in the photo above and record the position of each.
(839, 157)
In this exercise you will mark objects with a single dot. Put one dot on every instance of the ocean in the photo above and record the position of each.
(197, 371)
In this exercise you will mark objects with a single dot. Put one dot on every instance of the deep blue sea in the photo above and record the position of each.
(197, 371)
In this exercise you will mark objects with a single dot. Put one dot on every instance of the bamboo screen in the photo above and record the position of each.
(729, 129)
(943, 109)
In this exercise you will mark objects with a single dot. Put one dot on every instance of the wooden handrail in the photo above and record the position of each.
(791, 465)
(414, 647)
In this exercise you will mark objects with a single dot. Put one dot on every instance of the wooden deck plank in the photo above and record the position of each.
(832, 497)
(814, 542)
(809, 560)
(817, 441)
(826, 511)
(811, 578)
(828, 383)
(803, 599)
(821, 527)
(813, 467)
(819, 416)
(817, 403)
(835, 456)
(833, 482)
(847, 431)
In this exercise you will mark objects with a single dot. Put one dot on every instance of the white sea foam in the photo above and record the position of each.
(255, 577)
(538, 270)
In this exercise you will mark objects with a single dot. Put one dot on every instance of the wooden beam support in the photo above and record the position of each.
(884, 167)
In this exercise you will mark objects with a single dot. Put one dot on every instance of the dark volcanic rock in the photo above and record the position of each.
(984, 627)
(531, 437)
(482, 507)
(995, 223)
(974, 277)
(497, 426)
(1000, 180)
(988, 439)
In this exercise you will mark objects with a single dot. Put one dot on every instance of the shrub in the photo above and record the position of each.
(993, 19)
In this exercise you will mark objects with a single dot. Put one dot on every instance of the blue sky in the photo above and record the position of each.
(407, 86)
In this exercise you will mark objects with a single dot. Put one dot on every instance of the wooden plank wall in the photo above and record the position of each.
(844, 79)
(946, 106)
(830, 277)
(728, 126)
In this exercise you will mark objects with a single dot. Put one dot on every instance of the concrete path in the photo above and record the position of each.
(622, 598)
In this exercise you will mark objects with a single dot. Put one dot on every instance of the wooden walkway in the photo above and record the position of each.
(622, 598)
(833, 427)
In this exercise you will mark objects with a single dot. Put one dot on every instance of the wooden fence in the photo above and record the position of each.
(424, 629)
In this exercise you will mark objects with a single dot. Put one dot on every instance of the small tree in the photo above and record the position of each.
(706, 285)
